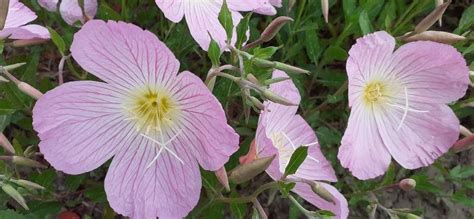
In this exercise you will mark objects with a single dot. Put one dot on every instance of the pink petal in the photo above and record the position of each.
(432, 72)
(362, 150)
(204, 123)
(259, 6)
(173, 10)
(123, 54)
(276, 3)
(18, 15)
(71, 10)
(50, 5)
(167, 189)
(369, 58)
(340, 209)
(265, 7)
(422, 138)
(31, 31)
(80, 125)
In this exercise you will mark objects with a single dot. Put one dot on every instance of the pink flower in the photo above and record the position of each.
(17, 27)
(202, 16)
(398, 102)
(70, 10)
(156, 124)
(280, 131)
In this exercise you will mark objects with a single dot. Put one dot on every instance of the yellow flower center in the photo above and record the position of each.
(373, 92)
(152, 108)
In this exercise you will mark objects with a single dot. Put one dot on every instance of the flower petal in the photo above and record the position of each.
(112, 52)
(50, 5)
(167, 189)
(340, 209)
(204, 123)
(30, 31)
(422, 138)
(368, 59)
(18, 14)
(362, 150)
(173, 10)
(276, 3)
(202, 19)
(432, 72)
(80, 125)
(265, 7)
(72, 12)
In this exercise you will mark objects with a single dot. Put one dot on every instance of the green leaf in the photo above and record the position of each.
(285, 188)
(462, 172)
(11, 214)
(6, 108)
(462, 198)
(225, 18)
(335, 53)
(364, 23)
(107, 13)
(214, 53)
(467, 20)
(265, 53)
(4, 121)
(312, 45)
(73, 182)
(242, 29)
(57, 40)
(297, 158)
(96, 194)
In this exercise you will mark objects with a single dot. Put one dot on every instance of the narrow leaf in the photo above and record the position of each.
(297, 158)
(57, 40)
(225, 18)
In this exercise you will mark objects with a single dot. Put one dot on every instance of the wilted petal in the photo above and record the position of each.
(423, 136)
(340, 208)
(50, 5)
(167, 189)
(431, 72)
(81, 125)
(204, 122)
(362, 150)
(72, 12)
(123, 54)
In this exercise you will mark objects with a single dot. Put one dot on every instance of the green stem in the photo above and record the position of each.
(250, 198)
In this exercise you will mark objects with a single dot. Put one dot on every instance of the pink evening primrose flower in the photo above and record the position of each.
(202, 16)
(156, 124)
(17, 27)
(70, 10)
(398, 103)
(280, 131)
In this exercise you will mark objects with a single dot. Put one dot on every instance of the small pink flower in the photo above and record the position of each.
(280, 131)
(156, 124)
(70, 10)
(202, 16)
(17, 27)
(398, 102)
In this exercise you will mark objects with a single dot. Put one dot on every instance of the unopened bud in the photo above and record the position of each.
(325, 9)
(407, 184)
(12, 192)
(6, 144)
(431, 18)
(275, 80)
(27, 184)
(29, 90)
(221, 175)
(269, 95)
(256, 102)
(274, 27)
(4, 5)
(23, 161)
(463, 144)
(251, 155)
(29, 42)
(252, 79)
(245, 172)
(262, 63)
(435, 36)
(322, 192)
(12, 66)
(290, 69)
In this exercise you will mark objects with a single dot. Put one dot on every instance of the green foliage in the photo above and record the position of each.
(297, 158)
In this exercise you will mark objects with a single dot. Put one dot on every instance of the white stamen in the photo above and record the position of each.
(289, 140)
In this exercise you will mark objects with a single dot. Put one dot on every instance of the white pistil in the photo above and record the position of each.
(163, 146)
(406, 109)
(307, 145)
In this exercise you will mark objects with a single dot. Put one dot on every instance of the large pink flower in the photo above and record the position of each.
(157, 124)
(398, 102)
(280, 131)
(17, 27)
(70, 10)
(202, 16)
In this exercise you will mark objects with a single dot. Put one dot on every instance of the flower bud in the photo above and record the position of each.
(29, 90)
(245, 172)
(256, 102)
(27, 184)
(431, 18)
(6, 144)
(407, 184)
(322, 192)
(274, 27)
(290, 69)
(28, 42)
(252, 79)
(275, 80)
(12, 192)
(266, 93)
(12, 66)
(262, 63)
(221, 175)
(325, 8)
(463, 144)
(436, 36)
(4, 5)
(22, 161)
